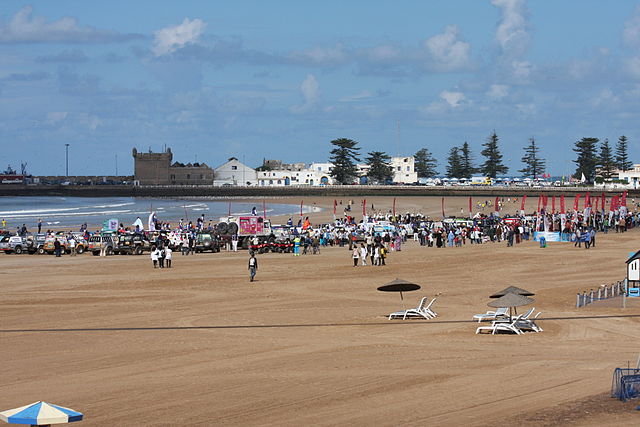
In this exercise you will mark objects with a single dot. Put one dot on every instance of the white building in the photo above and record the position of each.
(313, 176)
(404, 170)
(234, 172)
(631, 176)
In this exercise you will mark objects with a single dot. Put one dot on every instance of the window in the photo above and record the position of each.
(279, 181)
(188, 176)
(408, 168)
(234, 168)
(399, 168)
(173, 176)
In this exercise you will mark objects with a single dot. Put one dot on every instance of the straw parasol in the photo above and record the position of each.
(399, 285)
(511, 300)
(512, 290)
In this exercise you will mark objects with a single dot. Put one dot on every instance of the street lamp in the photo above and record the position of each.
(66, 153)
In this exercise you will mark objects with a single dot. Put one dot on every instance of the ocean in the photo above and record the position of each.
(72, 212)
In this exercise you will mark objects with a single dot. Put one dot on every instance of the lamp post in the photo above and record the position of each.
(66, 154)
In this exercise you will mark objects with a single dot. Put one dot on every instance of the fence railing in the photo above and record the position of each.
(602, 293)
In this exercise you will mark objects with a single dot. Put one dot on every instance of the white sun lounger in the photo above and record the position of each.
(502, 326)
(529, 324)
(420, 311)
(492, 315)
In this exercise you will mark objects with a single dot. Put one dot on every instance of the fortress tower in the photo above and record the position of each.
(152, 168)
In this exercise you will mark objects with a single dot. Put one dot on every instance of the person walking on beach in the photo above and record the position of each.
(154, 256)
(167, 256)
(355, 254)
(161, 255)
(4, 223)
(72, 246)
(57, 248)
(39, 225)
(253, 266)
(363, 254)
(234, 242)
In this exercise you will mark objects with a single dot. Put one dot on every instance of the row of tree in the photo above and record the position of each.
(589, 161)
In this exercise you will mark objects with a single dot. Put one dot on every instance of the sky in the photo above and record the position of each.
(281, 79)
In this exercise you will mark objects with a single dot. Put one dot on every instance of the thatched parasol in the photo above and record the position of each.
(512, 290)
(511, 300)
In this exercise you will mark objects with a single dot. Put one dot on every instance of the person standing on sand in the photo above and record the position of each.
(253, 267)
(154, 256)
(57, 247)
(363, 254)
(355, 254)
(39, 225)
(167, 256)
(72, 246)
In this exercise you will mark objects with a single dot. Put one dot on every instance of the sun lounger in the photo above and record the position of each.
(502, 326)
(529, 324)
(502, 312)
(420, 311)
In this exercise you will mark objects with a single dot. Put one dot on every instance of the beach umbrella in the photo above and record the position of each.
(40, 414)
(512, 290)
(399, 285)
(512, 301)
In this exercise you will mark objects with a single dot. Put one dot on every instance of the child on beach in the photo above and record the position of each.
(154, 256)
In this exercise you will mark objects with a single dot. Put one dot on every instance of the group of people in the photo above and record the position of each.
(161, 256)
(377, 253)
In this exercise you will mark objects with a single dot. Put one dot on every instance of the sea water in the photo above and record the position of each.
(72, 212)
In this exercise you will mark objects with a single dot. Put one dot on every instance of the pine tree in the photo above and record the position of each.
(380, 170)
(425, 164)
(587, 159)
(534, 165)
(493, 165)
(466, 161)
(454, 166)
(343, 157)
(622, 154)
(606, 162)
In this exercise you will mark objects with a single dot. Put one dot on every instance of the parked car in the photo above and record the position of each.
(128, 244)
(207, 242)
(16, 244)
(99, 241)
(49, 244)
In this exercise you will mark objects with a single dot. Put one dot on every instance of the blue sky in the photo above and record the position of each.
(256, 79)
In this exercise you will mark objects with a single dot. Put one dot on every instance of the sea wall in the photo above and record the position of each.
(291, 191)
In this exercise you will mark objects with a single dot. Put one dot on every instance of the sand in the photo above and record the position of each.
(309, 342)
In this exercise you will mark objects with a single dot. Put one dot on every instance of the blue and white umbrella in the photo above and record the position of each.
(40, 413)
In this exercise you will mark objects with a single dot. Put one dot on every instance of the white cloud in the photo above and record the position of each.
(633, 67)
(511, 34)
(310, 90)
(170, 39)
(606, 98)
(54, 117)
(447, 51)
(521, 70)
(357, 97)
(24, 27)
(498, 92)
(631, 32)
(334, 55)
(452, 98)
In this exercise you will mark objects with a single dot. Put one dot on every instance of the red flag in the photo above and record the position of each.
(545, 201)
(576, 202)
(562, 204)
(335, 206)
(553, 204)
(443, 207)
(604, 201)
(524, 200)
(624, 199)
(364, 207)
(587, 200)
(497, 204)
(394, 206)
(615, 200)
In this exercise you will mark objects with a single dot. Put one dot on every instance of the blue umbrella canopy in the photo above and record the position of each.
(40, 413)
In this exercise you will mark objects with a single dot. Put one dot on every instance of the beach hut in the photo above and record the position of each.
(40, 414)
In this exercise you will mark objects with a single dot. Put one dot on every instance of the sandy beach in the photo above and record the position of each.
(309, 343)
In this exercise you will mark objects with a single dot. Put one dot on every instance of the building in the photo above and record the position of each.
(156, 169)
(631, 176)
(404, 170)
(234, 172)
